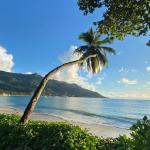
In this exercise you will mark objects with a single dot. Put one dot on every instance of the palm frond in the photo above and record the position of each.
(81, 49)
(96, 39)
(95, 64)
(148, 43)
(102, 58)
(108, 49)
(88, 62)
(87, 36)
(105, 41)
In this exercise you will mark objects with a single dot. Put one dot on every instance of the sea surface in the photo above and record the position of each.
(116, 112)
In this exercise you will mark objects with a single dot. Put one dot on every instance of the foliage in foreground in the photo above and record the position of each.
(42, 135)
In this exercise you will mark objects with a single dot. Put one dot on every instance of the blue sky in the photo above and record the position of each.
(38, 35)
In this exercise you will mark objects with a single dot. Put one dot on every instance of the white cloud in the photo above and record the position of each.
(148, 69)
(127, 81)
(69, 55)
(99, 80)
(28, 72)
(125, 70)
(118, 53)
(6, 60)
(72, 74)
(137, 94)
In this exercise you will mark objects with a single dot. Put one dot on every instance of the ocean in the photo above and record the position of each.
(115, 112)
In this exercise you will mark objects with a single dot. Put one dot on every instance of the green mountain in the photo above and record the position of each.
(24, 84)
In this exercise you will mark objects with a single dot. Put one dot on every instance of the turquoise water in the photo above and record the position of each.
(116, 112)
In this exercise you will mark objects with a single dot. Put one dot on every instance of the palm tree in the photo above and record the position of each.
(94, 46)
(93, 53)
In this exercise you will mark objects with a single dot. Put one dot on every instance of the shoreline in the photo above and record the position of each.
(5, 95)
(95, 129)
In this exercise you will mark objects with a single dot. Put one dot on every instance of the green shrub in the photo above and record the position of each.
(141, 135)
(42, 135)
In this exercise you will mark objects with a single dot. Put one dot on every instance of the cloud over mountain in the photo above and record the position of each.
(72, 74)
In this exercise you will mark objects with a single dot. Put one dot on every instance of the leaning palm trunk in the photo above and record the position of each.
(30, 107)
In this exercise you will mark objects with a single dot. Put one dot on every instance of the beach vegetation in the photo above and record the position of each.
(43, 135)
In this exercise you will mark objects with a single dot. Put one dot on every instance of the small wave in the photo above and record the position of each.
(115, 118)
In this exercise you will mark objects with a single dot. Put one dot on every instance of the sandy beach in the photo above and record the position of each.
(95, 129)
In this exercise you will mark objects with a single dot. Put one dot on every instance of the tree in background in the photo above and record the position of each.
(93, 54)
(120, 17)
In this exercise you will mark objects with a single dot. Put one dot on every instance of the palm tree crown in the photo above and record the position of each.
(94, 45)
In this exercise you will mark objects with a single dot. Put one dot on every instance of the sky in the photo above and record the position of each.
(37, 36)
